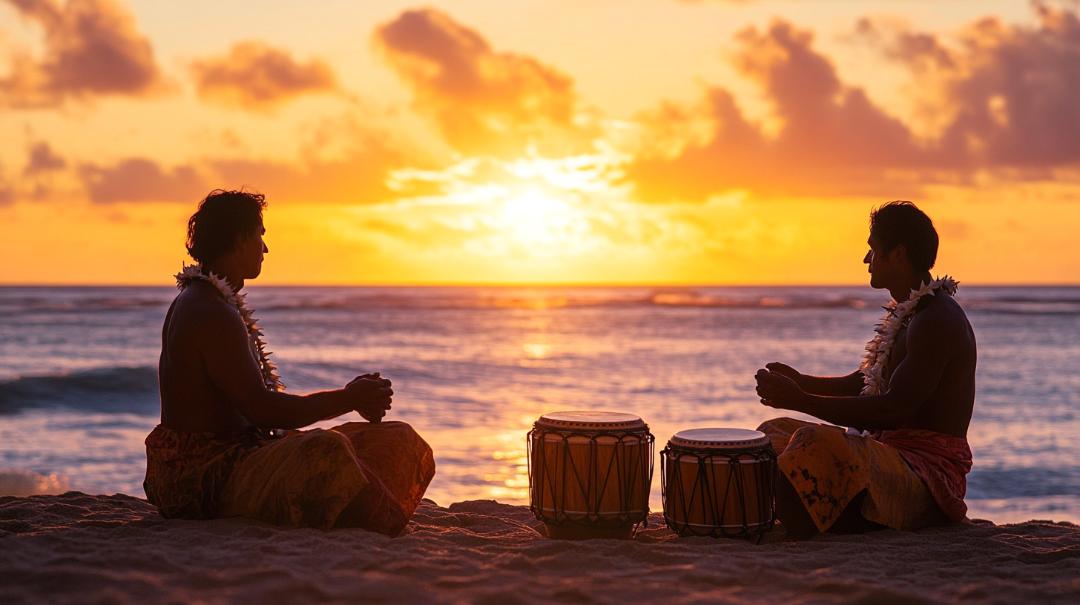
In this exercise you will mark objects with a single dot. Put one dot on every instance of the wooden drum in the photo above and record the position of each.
(718, 482)
(590, 473)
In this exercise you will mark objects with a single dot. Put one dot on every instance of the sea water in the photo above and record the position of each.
(474, 367)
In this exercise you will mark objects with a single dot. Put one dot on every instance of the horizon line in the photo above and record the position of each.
(534, 285)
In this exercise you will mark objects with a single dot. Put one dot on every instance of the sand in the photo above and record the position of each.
(80, 548)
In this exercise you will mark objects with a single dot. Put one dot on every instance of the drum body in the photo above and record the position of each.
(718, 482)
(590, 473)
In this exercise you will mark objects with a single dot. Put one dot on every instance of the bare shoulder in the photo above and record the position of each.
(199, 308)
(941, 316)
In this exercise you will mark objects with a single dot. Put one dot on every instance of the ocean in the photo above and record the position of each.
(474, 367)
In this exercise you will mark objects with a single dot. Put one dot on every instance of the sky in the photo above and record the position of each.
(601, 142)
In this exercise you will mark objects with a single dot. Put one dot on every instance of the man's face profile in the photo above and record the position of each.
(250, 251)
(878, 263)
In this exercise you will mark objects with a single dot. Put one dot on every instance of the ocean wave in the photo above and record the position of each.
(705, 298)
(990, 483)
(84, 299)
(107, 389)
(557, 300)
(20, 483)
(1033, 301)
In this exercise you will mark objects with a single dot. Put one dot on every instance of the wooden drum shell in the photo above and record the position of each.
(718, 491)
(588, 483)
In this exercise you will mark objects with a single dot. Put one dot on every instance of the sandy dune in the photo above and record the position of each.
(83, 548)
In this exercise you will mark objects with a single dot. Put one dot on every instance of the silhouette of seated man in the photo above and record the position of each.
(903, 464)
(227, 444)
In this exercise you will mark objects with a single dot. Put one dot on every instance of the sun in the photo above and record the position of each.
(538, 218)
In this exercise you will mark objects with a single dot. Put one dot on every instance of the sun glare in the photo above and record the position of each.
(536, 218)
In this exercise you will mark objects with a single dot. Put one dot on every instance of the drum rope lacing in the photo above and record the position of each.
(762, 462)
(548, 479)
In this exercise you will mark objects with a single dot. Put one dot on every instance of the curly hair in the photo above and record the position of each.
(224, 218)
(901, 222)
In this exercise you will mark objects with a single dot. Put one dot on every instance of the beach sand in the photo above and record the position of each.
(80, 548)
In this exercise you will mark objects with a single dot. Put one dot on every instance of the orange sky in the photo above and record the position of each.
(659, 141)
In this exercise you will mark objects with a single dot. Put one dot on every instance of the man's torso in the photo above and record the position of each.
(948, 409)
(189, 400)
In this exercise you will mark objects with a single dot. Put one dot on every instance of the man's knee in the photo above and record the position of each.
(322, 443)
(774, 424)
(816, 434)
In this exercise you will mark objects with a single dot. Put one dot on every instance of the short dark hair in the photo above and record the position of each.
(901, 222)
(222, 220)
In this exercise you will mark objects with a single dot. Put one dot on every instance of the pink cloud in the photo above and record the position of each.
(356, 176)
(1008, 92)
(833, 139)
(482, 100)
(43, 159)
(142, 180)
(92, 47)
(1015, 91)
(256, 76)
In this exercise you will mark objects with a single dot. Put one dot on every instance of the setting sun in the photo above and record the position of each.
(541, 221)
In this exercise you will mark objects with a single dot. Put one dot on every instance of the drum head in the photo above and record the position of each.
(719, 439)
(583, 420)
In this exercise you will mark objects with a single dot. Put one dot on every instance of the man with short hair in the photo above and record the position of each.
(226, 445)
(904, 461)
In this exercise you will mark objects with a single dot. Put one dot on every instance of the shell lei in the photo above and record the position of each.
(897, 315)
(270, 375)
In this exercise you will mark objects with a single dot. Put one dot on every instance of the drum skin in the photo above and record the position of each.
(590, 473)
(722, 487)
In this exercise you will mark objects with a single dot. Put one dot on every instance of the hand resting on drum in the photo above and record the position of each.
(373, 395)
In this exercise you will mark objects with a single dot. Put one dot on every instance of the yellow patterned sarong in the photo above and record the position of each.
(829, 469)
(358, 474)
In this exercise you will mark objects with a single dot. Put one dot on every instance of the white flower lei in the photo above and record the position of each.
(270, 375)
(897, 315)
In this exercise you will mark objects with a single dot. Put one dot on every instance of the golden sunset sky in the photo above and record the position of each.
(604, 141)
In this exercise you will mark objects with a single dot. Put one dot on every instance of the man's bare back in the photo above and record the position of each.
(189, 400)
(942, 324)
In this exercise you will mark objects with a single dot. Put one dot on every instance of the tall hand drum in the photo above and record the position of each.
(590, 473)
(718, 482)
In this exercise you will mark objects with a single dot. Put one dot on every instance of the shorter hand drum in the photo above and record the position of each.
(590, 473)
(718, 482)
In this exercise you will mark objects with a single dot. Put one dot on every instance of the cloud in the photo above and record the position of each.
(1009, 90)
(256, 76)
(43, 159)
(483, 101)
(1015, 92)
(356, 179)
(1005, 95)
(356, 174)
(832, 139)
(142, 180)
(91, 47)
(921, 50)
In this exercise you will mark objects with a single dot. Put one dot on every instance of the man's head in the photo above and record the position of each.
(227, 231)
(903, 244)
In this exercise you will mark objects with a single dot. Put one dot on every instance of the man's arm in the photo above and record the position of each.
(931, 343)
(224, 347)
(836, 386)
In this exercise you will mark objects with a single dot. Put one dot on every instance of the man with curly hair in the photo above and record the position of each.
(227, 444)
(904, 461)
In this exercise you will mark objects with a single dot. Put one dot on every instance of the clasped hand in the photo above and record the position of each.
(777, 386)
(373, 395)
